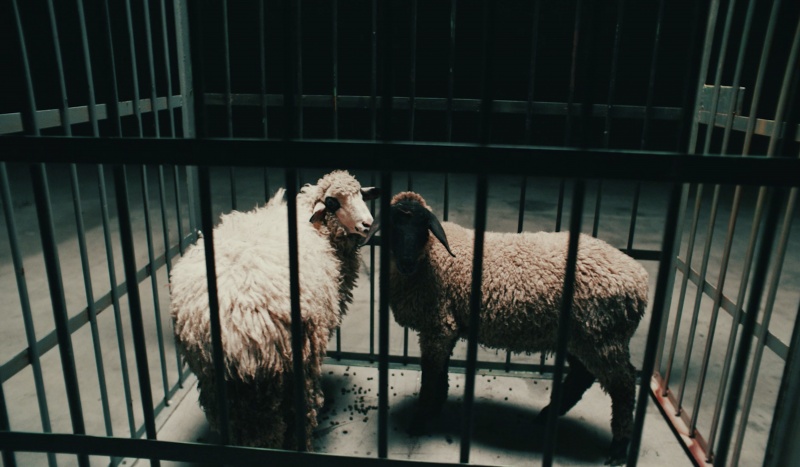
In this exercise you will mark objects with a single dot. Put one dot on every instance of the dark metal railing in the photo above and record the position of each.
(771, 174)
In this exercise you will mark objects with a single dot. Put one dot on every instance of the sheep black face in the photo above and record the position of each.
(411, 223)
(350, 209)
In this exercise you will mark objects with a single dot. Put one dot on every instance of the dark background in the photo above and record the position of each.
(682, 31)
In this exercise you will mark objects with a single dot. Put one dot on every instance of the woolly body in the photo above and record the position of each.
(523, 277)
(252, 263)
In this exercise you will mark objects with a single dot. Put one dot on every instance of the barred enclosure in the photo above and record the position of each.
(669, 131)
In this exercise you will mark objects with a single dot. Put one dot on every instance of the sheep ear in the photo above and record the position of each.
(319, 213)
(370, 192)
(438, 232)
(376, 226)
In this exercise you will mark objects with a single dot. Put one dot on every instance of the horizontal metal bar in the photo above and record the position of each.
(400, 156)
(20, 361)
(185, 452)
(772, 342)
(51, 118)
(692, 441)
(763, 126)
(441, 103)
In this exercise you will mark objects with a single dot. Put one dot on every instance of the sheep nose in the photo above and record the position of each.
(366, 226)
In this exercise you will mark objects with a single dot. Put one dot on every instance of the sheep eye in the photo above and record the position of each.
(332, 204)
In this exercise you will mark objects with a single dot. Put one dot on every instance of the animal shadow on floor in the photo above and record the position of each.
(505, 426)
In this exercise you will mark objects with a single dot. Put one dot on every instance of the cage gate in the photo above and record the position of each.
(671, 133)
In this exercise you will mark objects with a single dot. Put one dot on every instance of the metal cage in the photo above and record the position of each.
(621, 113)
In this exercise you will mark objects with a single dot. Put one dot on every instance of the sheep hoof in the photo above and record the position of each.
(618, 452)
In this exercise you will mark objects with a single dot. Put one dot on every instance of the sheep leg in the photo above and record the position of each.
(619, 381)
(435, 360)
(578, 380)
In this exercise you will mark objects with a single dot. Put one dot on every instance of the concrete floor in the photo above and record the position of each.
(504, 431)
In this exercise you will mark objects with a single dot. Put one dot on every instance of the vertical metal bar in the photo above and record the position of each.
(112, 99)
(481, 201)
(711, 25)
(762, 332)
(185, 66)
(373, 106)
(474, 317)
(151, 68)
(684, 282)
(177, 192)
(29, 121)
(92, 311)
(412, 93)
(162, 201)
(570, 101)
(564, 319)
(612, 81)
(137, 109)
(226, 56)
(736, 318)
(9, 459)
(64, 107)
(532, 72)
(228, 99)
(791, 78)
(529, 113)
(723, 271)
(788, 88)
(782, 445)
(299, 49)
(723, 48)
(712, 220)
(297, 323)
(262, 44)
(663, 289)
(767, 236)
(383, 319)
(176, 187)
(386, 235)
(262, 54)
(372, 285)
(670, 281)
(154, 281)
(609, 106)
(218, 356)
(192, 19)
(290, 70)
(112, 275)
(24, 298)
(134, 301)
(335, 75)
(31, 127)
(762, 69)
(737, 74)
(648, 114)
(87, 61)
(709, 237)
(689, 106)
(450, 78)
(572, 78)
(687, 120)
(167, 67)
(451, 74)
(56, 286)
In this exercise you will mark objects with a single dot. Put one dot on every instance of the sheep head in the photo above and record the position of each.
(343, 197)
(411, 222)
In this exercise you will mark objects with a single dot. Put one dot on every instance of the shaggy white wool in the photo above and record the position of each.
(252, 264)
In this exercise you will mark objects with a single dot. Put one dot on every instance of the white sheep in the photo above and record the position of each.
(523, 277)
(252, 263)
